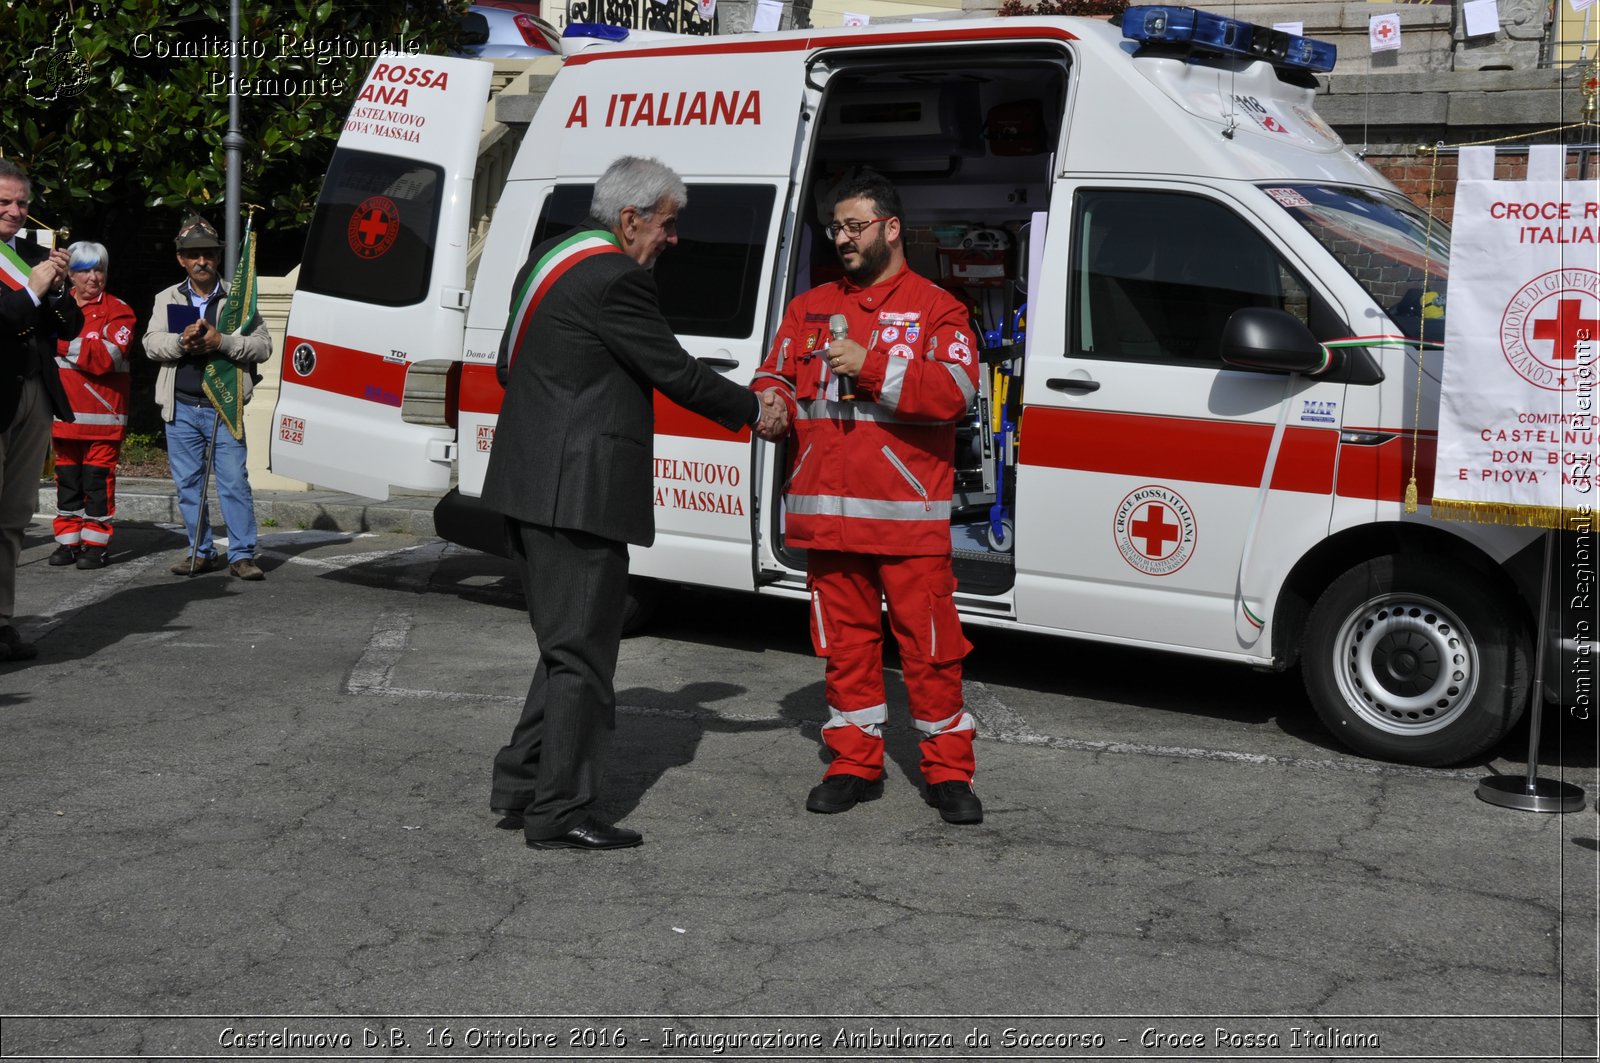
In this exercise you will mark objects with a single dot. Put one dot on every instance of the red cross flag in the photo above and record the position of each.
(1519, 407)
(1384, 32)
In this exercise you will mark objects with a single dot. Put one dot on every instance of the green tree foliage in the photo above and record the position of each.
(118, 106)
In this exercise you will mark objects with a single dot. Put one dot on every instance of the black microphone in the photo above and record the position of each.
(839, 329)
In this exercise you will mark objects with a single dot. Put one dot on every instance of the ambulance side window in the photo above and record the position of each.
(710, 282)
(372, 236)
(1156, 275)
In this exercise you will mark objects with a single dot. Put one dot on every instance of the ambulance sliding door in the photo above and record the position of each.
(1141, 507)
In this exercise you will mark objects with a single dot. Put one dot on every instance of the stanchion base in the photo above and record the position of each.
(1546, 795)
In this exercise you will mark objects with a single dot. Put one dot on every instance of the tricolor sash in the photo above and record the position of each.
(13, 271)
(549, 269)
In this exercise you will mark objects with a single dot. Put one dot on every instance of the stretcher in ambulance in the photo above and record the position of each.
(1206, 348)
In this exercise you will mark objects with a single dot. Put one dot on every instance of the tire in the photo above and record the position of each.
(1002, 542)
(1415, 660)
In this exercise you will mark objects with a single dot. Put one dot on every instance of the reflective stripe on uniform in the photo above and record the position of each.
(969, 390)
(866, 508)
(875, 413)
(99, 418)
(869, 719)
(961, 721)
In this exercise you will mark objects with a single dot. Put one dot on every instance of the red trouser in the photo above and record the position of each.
(86, 490)
(847, 595)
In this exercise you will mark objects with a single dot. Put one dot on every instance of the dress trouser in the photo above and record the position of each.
(23, 446)
(575, 585)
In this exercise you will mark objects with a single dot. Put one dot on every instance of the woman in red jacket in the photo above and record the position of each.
(94, 373)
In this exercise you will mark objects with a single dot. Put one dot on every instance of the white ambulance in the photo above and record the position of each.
(1211, 334)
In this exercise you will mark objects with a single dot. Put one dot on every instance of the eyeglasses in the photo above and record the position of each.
(854, 228)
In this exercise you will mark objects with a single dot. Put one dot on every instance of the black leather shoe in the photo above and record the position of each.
(64, 556)
(841, 793)
(590, 834)
(510, 818)
(956, 802)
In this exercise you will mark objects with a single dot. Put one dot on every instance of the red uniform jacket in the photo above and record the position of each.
(874, 475)
(94, 371)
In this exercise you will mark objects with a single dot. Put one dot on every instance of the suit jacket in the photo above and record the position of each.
(28, 341)
(575, 444)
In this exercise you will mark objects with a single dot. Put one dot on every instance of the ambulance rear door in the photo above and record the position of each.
(383, 282)
(1162, 494)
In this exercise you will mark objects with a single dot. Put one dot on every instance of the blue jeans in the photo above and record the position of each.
(187, 438)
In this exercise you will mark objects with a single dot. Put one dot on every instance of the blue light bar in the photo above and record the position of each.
(1205, 32)
(598, 30)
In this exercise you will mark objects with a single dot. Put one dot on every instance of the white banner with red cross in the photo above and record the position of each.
(1519, 404)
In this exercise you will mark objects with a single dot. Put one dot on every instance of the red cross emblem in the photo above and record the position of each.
(373, 227)
(1155, 530)
(1550, 327)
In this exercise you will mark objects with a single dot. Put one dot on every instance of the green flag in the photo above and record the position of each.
(223, 382)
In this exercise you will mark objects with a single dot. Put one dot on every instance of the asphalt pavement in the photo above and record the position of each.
(249, 820)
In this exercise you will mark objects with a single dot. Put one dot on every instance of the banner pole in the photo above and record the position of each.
(1534, 794)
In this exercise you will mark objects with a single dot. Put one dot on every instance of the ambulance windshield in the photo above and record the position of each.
(1386, 243)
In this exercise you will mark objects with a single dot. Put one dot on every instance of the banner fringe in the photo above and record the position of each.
(1513, 514)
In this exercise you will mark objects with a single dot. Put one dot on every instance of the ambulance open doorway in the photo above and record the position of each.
(969, 138)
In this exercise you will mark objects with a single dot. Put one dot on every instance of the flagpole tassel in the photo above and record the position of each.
(1411, 496)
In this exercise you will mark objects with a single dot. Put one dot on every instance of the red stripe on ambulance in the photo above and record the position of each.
(1177, 448)
(346, 371)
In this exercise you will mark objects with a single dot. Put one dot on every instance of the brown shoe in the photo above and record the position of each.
(246, 568)
(12, 648)
(206, 563)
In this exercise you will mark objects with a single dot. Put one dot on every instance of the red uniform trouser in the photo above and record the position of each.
(847, 595)
(86, 490)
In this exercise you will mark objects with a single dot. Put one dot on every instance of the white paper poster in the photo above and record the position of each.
(769, 16)
(1296, 28)
(1581, 5)
(1517, 414)
(708, 9)
(1482, 17)
(852, 19)
(1384, 32)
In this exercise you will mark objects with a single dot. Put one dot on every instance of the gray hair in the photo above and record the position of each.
(638, 183)
(86, 254)
(12, 170)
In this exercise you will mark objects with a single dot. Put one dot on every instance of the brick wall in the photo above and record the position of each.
(1413, 174)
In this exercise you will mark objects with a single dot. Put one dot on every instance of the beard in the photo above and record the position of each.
(873, 258)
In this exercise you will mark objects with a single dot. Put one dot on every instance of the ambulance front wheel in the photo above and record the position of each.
(1411, 659)
(1001, 540)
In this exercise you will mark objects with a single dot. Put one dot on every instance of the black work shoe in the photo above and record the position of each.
(956, 802)
(12, 648)
(591, 833)
(64, 556)
(841, 793)
(92, 557)
(510, 818)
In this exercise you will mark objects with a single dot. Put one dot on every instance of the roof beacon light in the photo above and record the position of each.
(1202, 31)
(598, 30)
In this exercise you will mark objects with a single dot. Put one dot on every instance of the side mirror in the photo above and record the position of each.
(1260, 338)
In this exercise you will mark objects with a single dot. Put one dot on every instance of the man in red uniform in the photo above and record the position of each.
(869, 496)
(94, 374)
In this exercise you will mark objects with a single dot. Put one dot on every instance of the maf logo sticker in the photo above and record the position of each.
(1155, 530)
(1319, 411)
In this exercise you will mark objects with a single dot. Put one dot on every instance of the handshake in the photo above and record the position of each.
(773, 424)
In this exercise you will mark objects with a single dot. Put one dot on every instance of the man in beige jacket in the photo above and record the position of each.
(191, 419)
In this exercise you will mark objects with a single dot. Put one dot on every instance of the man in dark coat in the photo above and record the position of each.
(35, 308)
(572, 470)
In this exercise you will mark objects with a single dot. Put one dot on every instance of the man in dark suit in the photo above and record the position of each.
(35, 308)
(572, 470)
